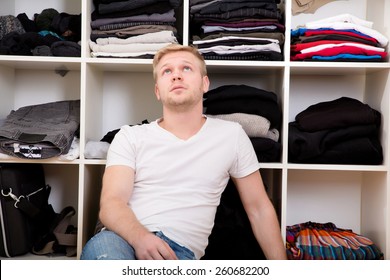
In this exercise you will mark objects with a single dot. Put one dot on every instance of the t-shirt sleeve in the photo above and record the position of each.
(245, 160)
(122, 148)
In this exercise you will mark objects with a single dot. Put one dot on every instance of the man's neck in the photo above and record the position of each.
(183, 125)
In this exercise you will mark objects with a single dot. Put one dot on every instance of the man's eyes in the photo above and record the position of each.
(169, 71)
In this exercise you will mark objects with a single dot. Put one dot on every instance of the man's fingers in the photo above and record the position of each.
(166, 252)
(154, 248)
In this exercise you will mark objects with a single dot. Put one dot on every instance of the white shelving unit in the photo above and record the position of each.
(114, 92)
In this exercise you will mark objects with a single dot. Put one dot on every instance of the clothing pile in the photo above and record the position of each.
(237, 29)
(49, 33)
(341, 131)
(256, 110)
(132, 29)
(40, 131)
(339, 38)
(317, 241)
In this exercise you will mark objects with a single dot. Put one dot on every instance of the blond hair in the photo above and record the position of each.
(178, 48)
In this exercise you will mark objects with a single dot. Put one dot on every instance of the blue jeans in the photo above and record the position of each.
(107, 245)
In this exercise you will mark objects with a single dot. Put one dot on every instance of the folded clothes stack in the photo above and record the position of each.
(237, 29)
(340, 38)
(132, 29)
(255, 109)
(340, 131)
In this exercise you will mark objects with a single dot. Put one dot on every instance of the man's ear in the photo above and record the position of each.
(156, 92)
(206, 84)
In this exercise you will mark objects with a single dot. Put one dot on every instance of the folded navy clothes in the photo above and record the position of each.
(40, 131)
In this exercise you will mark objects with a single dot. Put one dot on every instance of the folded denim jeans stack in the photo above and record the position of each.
(40, 131)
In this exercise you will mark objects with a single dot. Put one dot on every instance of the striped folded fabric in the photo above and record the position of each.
(317, 241)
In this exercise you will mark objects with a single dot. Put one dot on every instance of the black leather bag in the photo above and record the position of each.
(28, 221)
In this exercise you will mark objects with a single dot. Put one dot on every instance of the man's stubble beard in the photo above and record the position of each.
(182, 105)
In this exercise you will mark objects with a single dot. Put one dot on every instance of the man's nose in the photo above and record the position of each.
(176, 75)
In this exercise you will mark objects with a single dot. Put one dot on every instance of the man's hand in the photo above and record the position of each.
(151, 247)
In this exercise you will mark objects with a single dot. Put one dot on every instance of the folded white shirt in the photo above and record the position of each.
(225, 38)
(343, 18)
(155, 37)
(241, 49)
(122, 54)
(128, 48)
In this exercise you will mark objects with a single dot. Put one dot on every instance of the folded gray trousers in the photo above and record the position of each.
(40, 131)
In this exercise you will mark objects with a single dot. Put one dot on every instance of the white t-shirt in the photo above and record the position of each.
(178, 183)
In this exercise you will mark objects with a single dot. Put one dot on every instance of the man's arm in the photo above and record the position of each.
(262, 215)
(117, 216)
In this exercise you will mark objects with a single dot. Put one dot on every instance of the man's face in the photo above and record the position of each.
(180, 84)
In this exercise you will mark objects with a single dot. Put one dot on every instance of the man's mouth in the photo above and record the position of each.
(177, 87)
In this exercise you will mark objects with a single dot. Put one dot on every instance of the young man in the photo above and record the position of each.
(163, 181)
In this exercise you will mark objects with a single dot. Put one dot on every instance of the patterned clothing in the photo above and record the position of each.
(316, 241)
(10, 24)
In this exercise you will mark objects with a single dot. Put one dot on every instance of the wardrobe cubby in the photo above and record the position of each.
(348, 198)
(120, 91)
